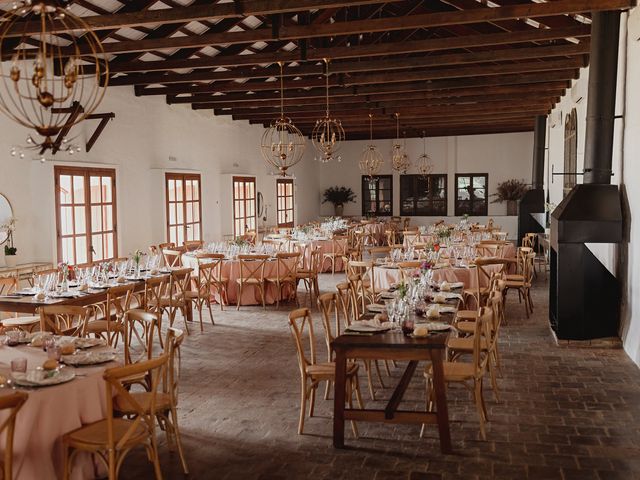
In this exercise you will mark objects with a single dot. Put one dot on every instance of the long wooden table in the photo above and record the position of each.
(29, 305)
(392, 346)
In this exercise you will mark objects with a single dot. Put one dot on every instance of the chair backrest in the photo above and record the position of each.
(172, 348)
(299, 322)
(140, 327)
(529, 240)
(390, 236)
(11, 402)
(64, 320)
(358, 296)
(485, 273)
(286, 265)
(153, 291)
(8, 285)
(481, 330)
(252, 266)
(191, 245)
(339, 245)
(209, 271)
(528, 267)
(143, 414)
(343, 296)
(172, 258)
(179, 283)
(408, 268)
(119, 300)
(378, 252)
(328, 305)
(521, 255)
(154, 250)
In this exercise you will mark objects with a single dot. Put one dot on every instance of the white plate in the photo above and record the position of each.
(376, 307)
(88, 358)
(43, 378)
(365, 329)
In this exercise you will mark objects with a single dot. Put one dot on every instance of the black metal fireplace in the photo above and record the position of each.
(584, 297)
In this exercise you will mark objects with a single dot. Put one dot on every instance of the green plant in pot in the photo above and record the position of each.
(510, 191)
(338, 196)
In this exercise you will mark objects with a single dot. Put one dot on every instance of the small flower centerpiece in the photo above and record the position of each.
(137, 259)
(64, 271)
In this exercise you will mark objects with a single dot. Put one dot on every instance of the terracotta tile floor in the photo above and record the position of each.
(564, 413)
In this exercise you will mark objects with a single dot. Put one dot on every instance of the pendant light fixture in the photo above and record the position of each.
(370, 160)
(49, 72)
(424, 164)
(282, 143)
(328, 134)
(399, 158)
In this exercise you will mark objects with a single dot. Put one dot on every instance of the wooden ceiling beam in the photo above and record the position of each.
(353, 51)
(570, 50)
(263, 99)
(446, 132)
(197, 13)
(393, 84)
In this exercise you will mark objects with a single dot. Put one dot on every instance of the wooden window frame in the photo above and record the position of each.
(378, 212)
(183, 177)
(431, 213)
(285, 181)
(458, 209)
(86, 173)
(244, 179)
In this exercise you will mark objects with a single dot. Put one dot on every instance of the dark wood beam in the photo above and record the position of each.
(359, 66)
(74, 111)
(263, 99)
(196, 13)
(447, 132)
(104, 120)
(354, 51)
(393, 83)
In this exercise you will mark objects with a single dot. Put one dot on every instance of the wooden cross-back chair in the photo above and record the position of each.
(310, 270)
(154, 290)
(109, 325)
(523, 285)
(470, 374)
(112, 438)
(365, 270)
(313, 372)
(338, 251)
(68, 320)
(215, 276)
(139, 329)
(286, 276)
(203, 295)
(172, 257)
(251, 275)
(10, 405)
(191, 245)
(179, 285)
(486, 268)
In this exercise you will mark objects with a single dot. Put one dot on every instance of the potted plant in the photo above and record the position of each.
(338, 196)
(510, 191)
(10, 250)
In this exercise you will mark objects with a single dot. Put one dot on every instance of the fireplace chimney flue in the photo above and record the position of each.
(603, 72)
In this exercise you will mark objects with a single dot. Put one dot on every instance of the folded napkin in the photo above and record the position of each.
(374, 323)
(447, 287)
(376, 307)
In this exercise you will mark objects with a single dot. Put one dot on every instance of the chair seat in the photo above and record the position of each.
(464, 344)
(100, 326)
(466, 327)
(467, 314)
(516, 284)
(250, 281)
(21, 321)
(515, 277)
(288, 279)
(455, 371)
(328, 370)
(168, 301)
(304, 275)
(473, 291)
(94, 435)
(122, 404)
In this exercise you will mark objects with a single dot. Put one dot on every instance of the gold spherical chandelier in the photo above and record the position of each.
(282, 143)
(371, 159)
(399, 159)
(424, 164)
(46, 86)
(328, 134)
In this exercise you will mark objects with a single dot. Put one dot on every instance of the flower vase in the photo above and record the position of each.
(65, 284)
(512, 207)
(10, 261)
(339, 210)
(136, 271)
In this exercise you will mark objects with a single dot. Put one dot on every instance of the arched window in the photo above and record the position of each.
(570, 151)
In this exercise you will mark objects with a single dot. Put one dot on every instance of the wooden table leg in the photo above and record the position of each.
(440, 391)
(398, 393)
(339, 398)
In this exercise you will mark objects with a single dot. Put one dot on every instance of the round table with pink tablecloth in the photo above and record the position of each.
(326, 246)
(49, 413)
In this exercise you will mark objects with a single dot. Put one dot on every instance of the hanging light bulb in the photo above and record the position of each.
(282, 143)
(328, 133)
(424, 164)
(370, 160)
(399, 158)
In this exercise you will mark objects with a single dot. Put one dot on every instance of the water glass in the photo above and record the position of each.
(19, 365)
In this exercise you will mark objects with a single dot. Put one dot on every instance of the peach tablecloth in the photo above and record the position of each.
(49, 413)
(326, 246)
(250, 295)
(385, 277)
